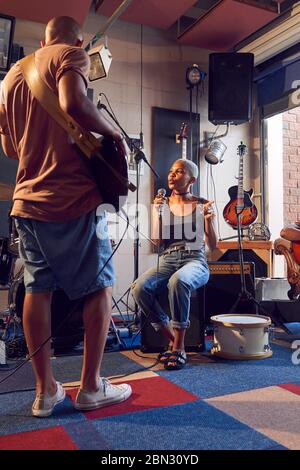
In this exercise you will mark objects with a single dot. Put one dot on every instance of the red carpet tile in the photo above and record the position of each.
(291, 388)
(54, 438)
(153, 392)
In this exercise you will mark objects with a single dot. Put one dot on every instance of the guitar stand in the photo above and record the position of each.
(244, 294)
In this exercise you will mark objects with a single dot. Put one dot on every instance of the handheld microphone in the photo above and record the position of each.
(161, 193)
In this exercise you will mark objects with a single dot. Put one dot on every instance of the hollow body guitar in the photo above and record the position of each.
(240, 200)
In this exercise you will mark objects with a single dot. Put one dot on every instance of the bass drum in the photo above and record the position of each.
(66, 316)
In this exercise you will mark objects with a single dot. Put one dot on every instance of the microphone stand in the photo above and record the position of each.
(139, 156)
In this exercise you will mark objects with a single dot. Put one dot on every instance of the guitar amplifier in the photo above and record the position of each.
(224, 287)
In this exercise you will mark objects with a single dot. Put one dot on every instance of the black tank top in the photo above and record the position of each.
(186, 230)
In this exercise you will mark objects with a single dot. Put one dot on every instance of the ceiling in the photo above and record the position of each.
(216, 25)
(156, 13)
(42, 11)
(226, 24)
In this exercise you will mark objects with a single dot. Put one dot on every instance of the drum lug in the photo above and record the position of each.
(241, 332)
(241, 348)
(271, 331)
(267, 347)
(12, 308)
(215, 348)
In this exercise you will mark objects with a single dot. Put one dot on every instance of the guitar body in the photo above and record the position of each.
(249, 212)
(113, 191)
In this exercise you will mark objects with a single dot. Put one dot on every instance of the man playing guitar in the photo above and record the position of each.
(54, 207)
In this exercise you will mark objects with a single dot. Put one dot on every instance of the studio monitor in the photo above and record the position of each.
(230, 87)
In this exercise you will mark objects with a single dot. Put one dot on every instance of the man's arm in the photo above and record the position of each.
(73, 100)
(6, 142)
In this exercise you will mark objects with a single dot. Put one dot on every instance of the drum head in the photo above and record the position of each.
(238, 320)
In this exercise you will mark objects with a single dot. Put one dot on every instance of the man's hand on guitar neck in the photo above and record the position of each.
(73, 100)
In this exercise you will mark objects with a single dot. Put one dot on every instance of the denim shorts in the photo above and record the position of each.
(68, 255)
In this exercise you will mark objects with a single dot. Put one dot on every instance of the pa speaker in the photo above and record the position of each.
(230, 87)
(154, 341)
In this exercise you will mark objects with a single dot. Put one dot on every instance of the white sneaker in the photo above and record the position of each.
(43, 405)
(106, 395)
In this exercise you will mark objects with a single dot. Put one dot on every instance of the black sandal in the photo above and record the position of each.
(164, 357)
(177, 360)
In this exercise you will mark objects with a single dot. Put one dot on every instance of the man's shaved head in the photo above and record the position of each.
(63, 29)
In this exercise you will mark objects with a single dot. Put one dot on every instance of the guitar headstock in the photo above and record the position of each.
(241, 150)
(183, 131)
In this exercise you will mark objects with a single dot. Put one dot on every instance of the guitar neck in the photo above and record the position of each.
(240, 193)
(183, 150)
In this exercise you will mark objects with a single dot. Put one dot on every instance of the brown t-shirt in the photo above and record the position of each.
(53, 181)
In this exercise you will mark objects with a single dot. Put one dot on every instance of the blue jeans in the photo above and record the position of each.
(180, 272)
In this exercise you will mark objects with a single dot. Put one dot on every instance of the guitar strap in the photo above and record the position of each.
(85, 140)
(49, 101)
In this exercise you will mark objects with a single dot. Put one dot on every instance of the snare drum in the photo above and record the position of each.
(241, 336)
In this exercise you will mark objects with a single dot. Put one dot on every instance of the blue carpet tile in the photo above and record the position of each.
(15, 414)
(67, 369)
(223, 376)
(191, 426)
(85, 436)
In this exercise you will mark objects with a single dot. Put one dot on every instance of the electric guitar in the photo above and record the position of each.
(183, 140)
(110, 171)
(240, 201)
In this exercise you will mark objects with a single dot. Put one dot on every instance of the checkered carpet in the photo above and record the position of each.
(210, 404)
